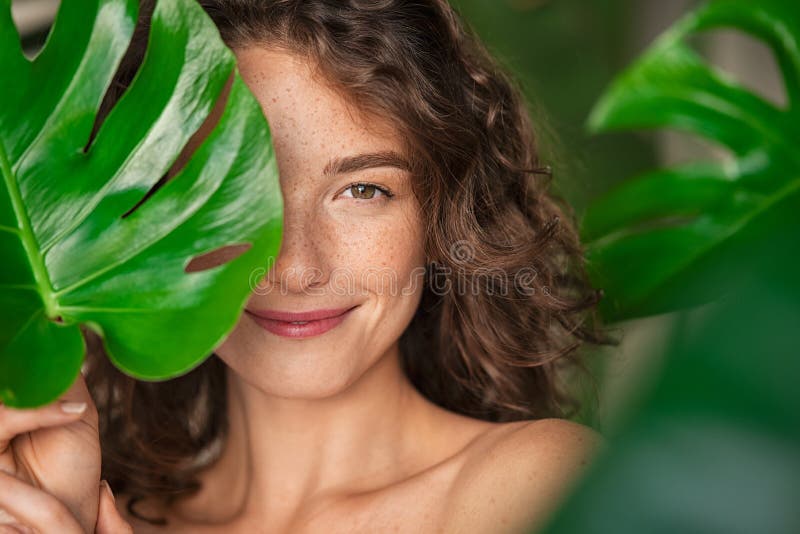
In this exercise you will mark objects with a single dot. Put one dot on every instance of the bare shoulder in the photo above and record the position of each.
(516, 474)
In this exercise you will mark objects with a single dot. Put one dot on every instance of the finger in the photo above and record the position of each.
(35, 508)
(79, 392)
(76, 404)
(15, 421)
(109, 520)
(9, 523)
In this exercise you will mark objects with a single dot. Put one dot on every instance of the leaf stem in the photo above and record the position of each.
(27, 237)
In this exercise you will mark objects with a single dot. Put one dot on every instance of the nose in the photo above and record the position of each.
(299, 267)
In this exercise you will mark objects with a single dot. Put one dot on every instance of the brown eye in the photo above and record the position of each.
(364, 191)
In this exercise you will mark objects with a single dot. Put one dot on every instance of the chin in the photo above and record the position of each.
(293, 373)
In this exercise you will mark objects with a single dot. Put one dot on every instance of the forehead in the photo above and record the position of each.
(309, 120)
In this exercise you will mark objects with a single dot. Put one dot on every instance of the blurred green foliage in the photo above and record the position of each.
(564, 53)
(651, 238)
(714, 445)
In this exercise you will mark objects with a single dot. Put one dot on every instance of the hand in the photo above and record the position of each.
(23, 508)
(50, 464)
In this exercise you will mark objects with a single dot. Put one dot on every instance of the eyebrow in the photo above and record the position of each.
(359, 162)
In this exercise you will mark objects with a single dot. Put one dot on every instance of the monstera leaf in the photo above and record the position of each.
(86, 237)
(714, 446)
(650, 239)
(711, 444)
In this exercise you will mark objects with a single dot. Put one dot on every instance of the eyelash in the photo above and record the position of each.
(386, 193)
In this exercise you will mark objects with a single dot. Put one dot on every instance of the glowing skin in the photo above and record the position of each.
(330, 233)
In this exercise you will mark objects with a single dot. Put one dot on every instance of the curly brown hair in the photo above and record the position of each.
(503, 351)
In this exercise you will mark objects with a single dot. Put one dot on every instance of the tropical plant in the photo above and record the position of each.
(90, 234)
(651, 239)
(714, 445)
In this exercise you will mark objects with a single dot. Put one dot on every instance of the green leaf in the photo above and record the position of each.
(74, 251)
(650, 239)
(714, 445)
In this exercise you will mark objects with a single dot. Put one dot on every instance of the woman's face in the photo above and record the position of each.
(343, 244)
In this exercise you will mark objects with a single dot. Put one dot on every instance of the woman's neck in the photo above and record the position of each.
(282, 454)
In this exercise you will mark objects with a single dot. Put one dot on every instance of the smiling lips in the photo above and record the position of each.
(299, 325)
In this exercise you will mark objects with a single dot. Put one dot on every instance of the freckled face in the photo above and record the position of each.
(349, 238)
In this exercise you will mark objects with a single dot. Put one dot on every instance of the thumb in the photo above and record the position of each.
(109, 520)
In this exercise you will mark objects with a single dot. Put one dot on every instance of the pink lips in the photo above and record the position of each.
(299, 325)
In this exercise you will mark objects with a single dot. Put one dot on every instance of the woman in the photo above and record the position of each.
(403, 365)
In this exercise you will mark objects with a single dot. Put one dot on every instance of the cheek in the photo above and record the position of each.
(377, 255)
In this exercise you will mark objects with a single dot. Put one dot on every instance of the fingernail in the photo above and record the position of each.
(73, 407)
(105, 484)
